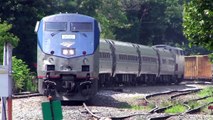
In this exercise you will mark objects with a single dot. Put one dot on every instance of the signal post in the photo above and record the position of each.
(6, 83)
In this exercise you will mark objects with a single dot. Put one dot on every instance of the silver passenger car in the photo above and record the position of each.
(128, 63)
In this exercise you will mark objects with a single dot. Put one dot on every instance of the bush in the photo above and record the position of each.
(22, 77)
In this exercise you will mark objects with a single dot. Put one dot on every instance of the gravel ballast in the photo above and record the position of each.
(107, 103)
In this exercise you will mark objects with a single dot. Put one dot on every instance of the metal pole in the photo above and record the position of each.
(9, 63)
(3, 110)
(3, 114)
(7, 60)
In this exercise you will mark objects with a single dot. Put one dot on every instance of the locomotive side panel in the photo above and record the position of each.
(167, 67)
(149, 63)
(178, 56)
(167, 61)
(127, 58)
(179, 68)
(105, 58)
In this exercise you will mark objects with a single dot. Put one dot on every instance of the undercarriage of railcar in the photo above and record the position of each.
(106, 80)
(68, 87)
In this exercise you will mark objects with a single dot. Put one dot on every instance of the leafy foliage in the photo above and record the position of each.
(112, 17)
(6, 36)
(198, 23)
(23, 14)
(23, 79)
(161, 22)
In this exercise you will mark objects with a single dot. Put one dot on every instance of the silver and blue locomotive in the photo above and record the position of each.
(67, 52)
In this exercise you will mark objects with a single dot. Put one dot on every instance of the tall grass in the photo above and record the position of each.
(176, 109)
(207, 100)
(206, 92)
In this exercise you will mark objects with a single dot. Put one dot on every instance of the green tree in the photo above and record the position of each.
(198, 23)
(161, 22)
(23, 14)
(112, 17)
(6, 36)
(131, 30)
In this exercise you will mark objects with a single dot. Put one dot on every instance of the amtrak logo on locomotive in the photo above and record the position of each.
(67, 44)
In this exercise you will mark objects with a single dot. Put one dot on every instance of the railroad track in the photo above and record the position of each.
(98, 117)
(171, 95)
(147, 116)
(190, 108)
(197, 82)
(163, 100)
(25, 95)
(107, 113)
(32, 94)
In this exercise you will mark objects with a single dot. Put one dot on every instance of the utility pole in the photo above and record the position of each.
(6, 95)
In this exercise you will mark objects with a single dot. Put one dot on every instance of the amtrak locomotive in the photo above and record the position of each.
(68, 45)
(72, 64)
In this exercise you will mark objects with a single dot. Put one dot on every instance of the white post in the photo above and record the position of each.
(9, 64)
(7, 61)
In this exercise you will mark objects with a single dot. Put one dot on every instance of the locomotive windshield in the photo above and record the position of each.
(55, 26)
(81, 27)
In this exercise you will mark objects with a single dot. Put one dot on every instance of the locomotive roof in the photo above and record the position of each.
(64, 15)
(166, 47)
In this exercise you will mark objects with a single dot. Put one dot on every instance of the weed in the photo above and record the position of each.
(206, 92)
(166, 103)
(207, 100)
(176, 109)
(193, 104)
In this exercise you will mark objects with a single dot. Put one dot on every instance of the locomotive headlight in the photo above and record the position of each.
(68, 51)
(71, 52)
(65, 52)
